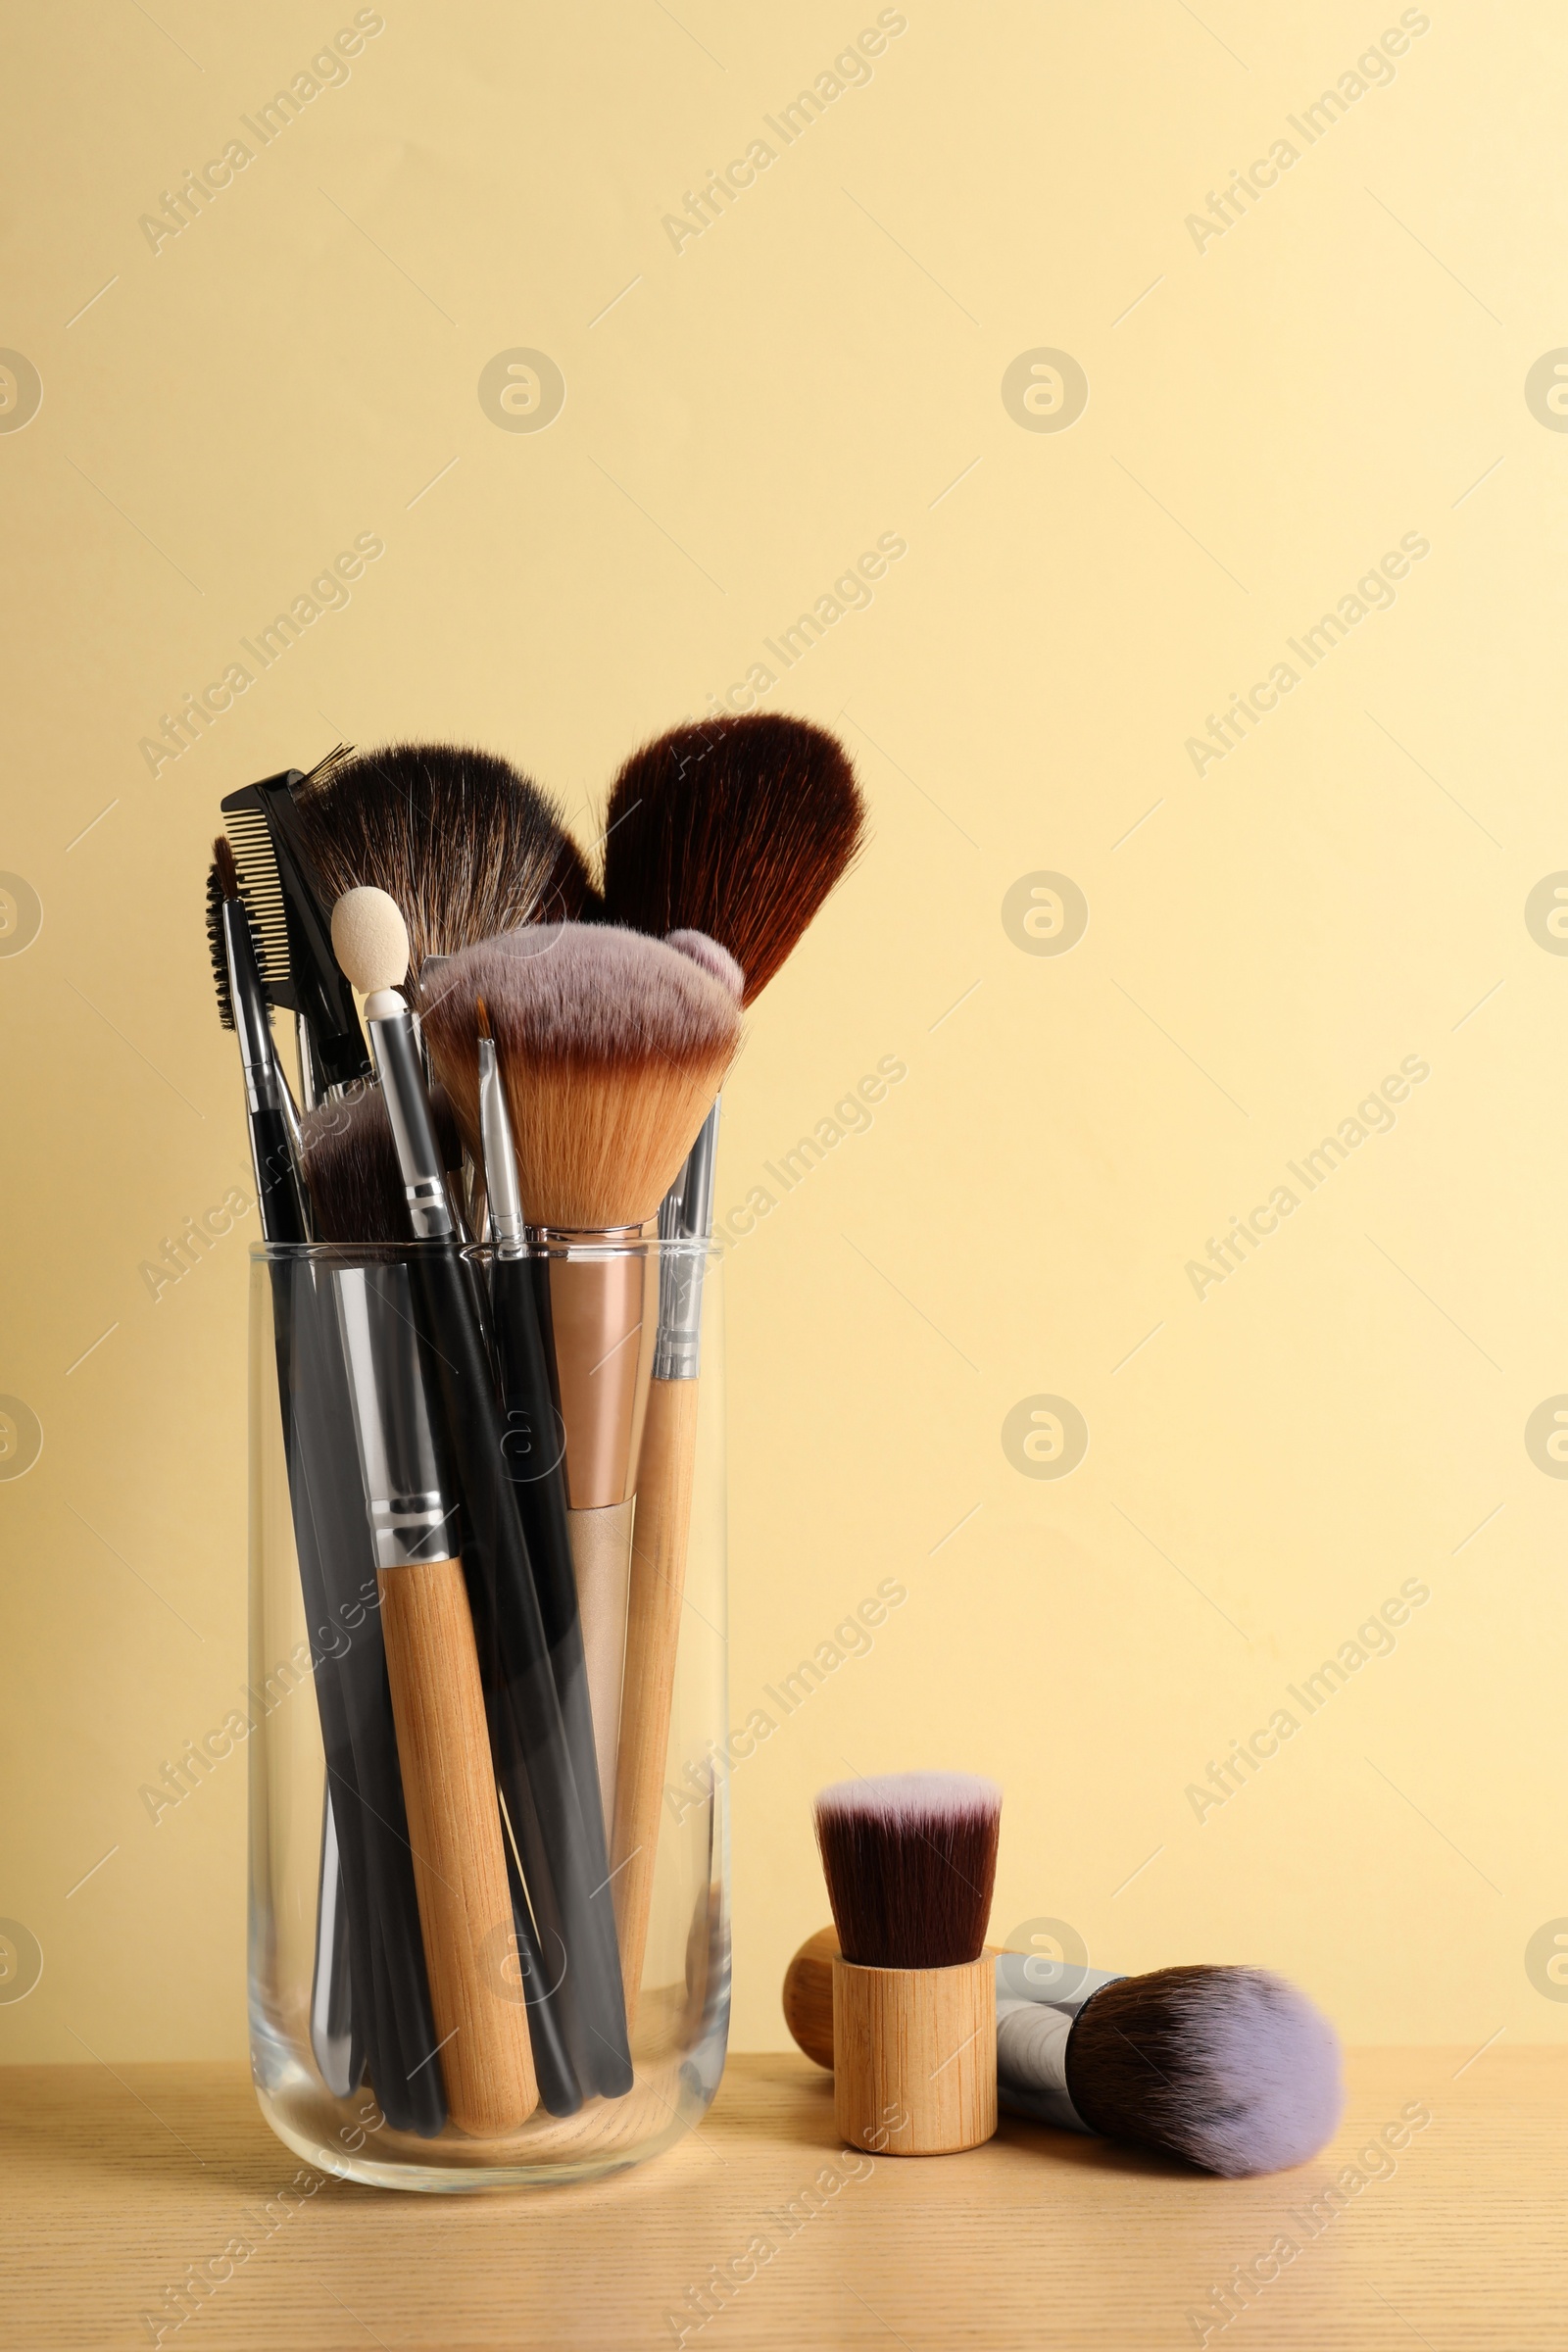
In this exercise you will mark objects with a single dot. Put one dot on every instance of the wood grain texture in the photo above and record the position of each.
(914, 2057)
(652, 1641)
(459, 1870)
(117, 2183)
(601, 1554)
(809, 1994)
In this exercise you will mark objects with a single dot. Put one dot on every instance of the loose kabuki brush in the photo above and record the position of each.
(1231, 2069)
(732, 832)
(549, 1817)
(609, 1049)
(910, 1861)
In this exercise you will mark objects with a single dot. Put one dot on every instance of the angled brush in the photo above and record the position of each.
(609, 1049)
(726, 836)
(910, 1861)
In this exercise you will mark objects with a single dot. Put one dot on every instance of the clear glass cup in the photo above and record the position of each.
(473, 1886)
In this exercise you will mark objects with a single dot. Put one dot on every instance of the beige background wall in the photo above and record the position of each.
(1270, 934)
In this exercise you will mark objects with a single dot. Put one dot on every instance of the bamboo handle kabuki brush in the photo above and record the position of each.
(910, 1862)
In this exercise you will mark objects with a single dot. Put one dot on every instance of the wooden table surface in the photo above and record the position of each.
(116, 2182)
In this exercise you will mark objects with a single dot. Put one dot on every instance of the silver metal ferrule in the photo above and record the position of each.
(408, 1103)
(502, 1191)
(686, 1221)
(413, 1518)
(263, 1077)
(1038, 2000)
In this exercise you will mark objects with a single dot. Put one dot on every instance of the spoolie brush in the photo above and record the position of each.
(1231, 2069)
(910, 1862)
(465, 843)
(610, 1048)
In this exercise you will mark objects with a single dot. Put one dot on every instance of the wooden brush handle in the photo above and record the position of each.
(915, 2057)
(460, 1869)
(653, 1640)
(809, 1994)
(601, 1555)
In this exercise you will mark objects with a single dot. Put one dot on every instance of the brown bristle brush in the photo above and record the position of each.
(910, 1861)
(610, 1047)
(465, 843)
(737, 827)
(1232, 2070)
(726, 837)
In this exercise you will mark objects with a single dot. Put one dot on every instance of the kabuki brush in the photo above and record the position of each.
(389, 2023)
(1231, 2069)
(910, 1861)
(610, 1048)
(732, 832)
(532, 1760)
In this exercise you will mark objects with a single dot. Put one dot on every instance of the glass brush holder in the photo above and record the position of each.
(489, 1915)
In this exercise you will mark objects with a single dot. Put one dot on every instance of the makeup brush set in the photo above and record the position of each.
(489, 1450)
(928, 2032)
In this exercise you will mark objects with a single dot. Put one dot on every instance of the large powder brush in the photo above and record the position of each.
(911, 1862)
(465, 843)
(610, 1047)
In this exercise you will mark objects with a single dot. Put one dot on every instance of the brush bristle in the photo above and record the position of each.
(351, 1166)
(611, 1048)
(910, 1861)
(712, 958)
(465, 843)
(1230, 2068)
(737, 827)
(217, 947)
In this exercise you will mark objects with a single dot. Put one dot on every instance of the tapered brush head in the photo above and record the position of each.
(465, 843)
(910, 1861)
(351, 1166)
(737, 827)
(611, 1048)
(1230, 2068)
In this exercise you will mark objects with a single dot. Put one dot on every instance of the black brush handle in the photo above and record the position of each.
(560, 2092)
(533, 1759)
(338, 1575)
(277, 1191)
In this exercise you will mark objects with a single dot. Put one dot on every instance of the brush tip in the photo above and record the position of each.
(1233, 2069)
(371, 940)
(712, 958)
(228, 869)
(910, 1860)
